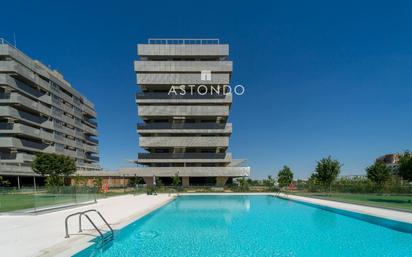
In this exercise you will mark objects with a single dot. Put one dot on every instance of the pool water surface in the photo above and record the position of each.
(245, 225)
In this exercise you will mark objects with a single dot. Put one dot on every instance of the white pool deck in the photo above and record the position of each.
(43, 234)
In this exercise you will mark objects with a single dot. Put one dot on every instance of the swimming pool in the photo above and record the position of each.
(246, 225)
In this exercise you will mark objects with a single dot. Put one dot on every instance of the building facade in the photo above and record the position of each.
(40, 112)
(184, 110)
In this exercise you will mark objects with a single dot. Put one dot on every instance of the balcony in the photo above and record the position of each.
(4, 95)
(89, 111)
(184, 157)
(93, 140)
(16, 157)
(187, 98)
(90, 130)
(184, 128)
(70, 142)
(80, 154)
(14, 67)
(67, 108)
(68, 131)
(10, 142)
(161, 125)
(90, 122)
(17, 128)
(66, 97)
(16, 98)
(8, 156)
(6, 126)
(70, 153)
(93, 158)
(88, 103)
(8, 111)
(22, 87)
(187, 171)
(79, 134)
(182, 66)
(181, 79)
(183, 141)
(187, 110)
(90, 148)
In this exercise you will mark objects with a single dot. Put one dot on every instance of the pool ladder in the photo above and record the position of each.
(104, 238)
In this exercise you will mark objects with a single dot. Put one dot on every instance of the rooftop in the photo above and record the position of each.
(43, 66)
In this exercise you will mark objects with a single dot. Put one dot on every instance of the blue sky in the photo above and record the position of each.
(321, 78)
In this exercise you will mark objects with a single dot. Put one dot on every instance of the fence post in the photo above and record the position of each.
(124, 184)
(34, 183)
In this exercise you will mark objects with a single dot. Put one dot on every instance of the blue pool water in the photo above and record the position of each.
(252, 226)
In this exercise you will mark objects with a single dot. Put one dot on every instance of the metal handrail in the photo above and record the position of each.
(101, 216)
(90, 220)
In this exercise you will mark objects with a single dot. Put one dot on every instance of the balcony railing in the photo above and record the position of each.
(91, 157)
(92, 122)
(31, 144)
(93, 140)
(142, 126)
(4, 95)
(31, 117)
(6, 126)
(183, 41)
(8, 156)
(182, 155)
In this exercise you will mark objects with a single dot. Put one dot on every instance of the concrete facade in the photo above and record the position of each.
(185, 134)
(41, 112)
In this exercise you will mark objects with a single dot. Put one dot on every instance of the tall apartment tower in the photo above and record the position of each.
(41, 112)
(185, 134)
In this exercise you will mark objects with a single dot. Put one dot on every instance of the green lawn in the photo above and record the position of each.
(400, 202)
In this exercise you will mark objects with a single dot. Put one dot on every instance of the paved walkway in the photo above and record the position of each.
(43, 234)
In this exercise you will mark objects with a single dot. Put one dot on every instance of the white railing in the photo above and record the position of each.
(184, 41)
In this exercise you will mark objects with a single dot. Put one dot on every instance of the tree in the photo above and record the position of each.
(159, 182)
(54, 166)
(405, 166)
(176, 180)
(269, 182)
(327, 170)
(378, 173)
(135, 181)
(4, 182)
(285, 176)
(243, 184)
(79, 180)
(98, 182)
